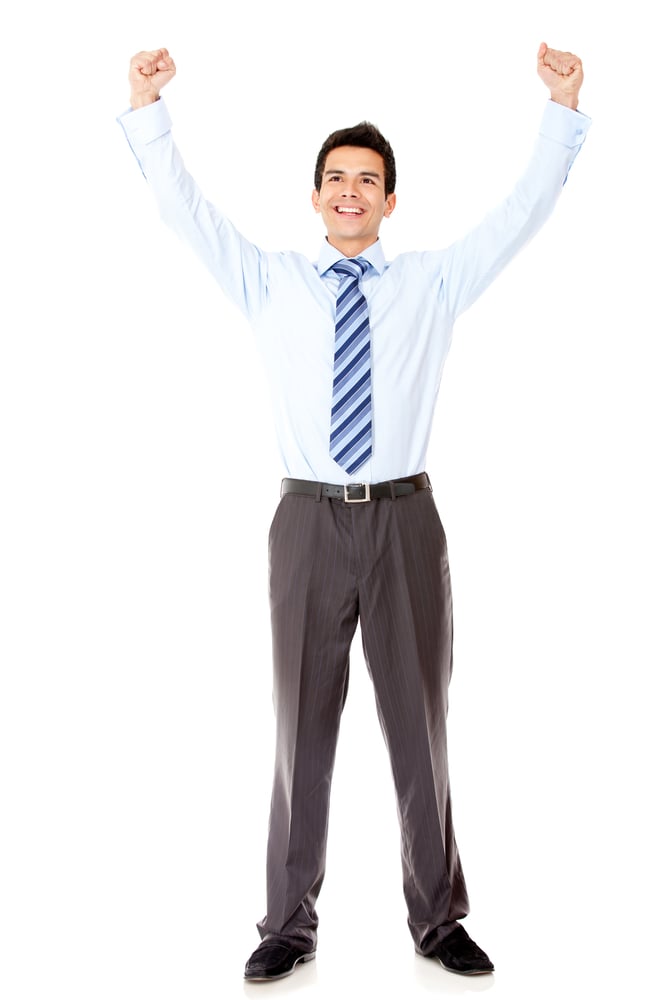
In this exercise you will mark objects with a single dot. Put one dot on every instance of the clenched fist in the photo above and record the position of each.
(149, 73)
(562, 73)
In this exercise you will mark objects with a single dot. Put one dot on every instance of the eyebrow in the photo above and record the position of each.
(362, 173)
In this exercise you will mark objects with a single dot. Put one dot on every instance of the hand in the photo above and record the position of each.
(149, 73)
(562, 73)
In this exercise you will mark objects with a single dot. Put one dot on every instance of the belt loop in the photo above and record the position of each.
(318, 493)
(392, 487)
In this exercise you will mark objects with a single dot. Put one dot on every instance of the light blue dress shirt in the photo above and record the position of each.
(413, 301)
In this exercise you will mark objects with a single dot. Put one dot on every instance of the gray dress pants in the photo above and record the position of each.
(383, 564)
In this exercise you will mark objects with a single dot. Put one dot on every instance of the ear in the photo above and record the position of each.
(389, 205)
(315, 198)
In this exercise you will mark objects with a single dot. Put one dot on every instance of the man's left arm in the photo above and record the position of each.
(473, 262)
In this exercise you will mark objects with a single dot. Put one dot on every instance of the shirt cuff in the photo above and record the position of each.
(564, 125)
(143, 125)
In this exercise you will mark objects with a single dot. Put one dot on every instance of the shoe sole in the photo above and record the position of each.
(281, 975)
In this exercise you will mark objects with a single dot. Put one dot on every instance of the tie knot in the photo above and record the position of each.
(352, 267)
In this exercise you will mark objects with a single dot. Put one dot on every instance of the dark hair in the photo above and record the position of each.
(368, 137)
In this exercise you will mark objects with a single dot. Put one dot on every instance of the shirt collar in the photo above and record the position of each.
(329, 255)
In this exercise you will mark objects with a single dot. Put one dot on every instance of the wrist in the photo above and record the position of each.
(141, 100)
(567, 100)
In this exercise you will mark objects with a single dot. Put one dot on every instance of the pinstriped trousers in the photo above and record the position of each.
(383, 564)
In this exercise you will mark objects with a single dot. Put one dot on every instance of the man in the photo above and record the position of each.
(354, 348)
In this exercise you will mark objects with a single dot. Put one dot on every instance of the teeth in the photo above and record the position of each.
(349, 211)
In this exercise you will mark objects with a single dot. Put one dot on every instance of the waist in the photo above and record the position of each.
(357, 492)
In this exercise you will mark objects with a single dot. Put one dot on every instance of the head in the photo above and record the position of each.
(355, 177)
(365, 136)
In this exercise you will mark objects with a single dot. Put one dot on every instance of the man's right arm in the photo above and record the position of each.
(237, 265)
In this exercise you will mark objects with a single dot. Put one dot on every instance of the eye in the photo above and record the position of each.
(334, 177)
(368, 180)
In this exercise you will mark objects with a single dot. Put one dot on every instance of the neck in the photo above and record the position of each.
(351, 248)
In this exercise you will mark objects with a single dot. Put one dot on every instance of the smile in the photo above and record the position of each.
(348, 211)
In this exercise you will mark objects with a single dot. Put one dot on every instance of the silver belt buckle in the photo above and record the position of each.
(364, 488)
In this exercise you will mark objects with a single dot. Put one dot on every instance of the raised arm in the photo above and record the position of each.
(562, 73)
(474, 261)
(236, 264)
(149, 73)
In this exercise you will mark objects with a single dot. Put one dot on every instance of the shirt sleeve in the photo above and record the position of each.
(473, 262)
(237, 265)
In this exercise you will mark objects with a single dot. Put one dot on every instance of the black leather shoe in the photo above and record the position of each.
(275, 960)
(459, 953)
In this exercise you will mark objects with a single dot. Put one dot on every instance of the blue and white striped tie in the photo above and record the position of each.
(350, 444)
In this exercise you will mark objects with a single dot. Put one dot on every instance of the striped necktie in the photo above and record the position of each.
(350, 444)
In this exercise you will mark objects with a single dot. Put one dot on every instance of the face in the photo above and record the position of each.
(351, 200)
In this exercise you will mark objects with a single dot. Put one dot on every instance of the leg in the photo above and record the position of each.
(406, 621)
(314, 611)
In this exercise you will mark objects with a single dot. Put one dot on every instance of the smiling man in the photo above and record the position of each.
(354, 347)
(354, 187)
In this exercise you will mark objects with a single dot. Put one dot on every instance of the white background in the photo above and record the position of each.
(136, 724)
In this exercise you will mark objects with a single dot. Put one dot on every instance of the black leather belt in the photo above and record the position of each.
(357, 492)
